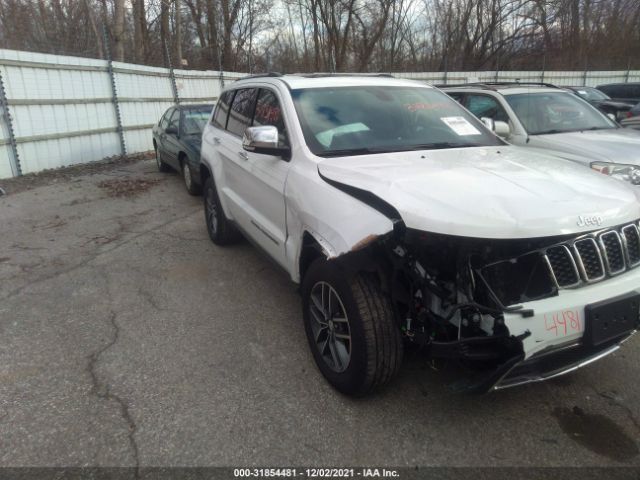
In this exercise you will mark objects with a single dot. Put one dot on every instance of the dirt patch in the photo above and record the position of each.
(127, 187)
(59, 175)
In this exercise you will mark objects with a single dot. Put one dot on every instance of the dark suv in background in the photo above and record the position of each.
(622, 92)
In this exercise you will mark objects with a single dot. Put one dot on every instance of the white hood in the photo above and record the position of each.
(619, 145)
(488, 192)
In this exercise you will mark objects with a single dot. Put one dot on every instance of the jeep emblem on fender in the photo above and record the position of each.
(586, 221)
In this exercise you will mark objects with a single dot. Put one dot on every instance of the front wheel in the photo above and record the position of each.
(350, 327)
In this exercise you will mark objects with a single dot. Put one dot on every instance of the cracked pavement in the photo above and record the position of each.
(128, 339)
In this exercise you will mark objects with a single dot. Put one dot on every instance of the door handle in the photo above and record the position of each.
(243, 155)
(216, 141)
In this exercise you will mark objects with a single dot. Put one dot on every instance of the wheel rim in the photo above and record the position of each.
(158, 162)
(330, 326)
(186, 173)
(212, 211)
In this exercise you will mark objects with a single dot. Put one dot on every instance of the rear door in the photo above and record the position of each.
(172, 141)
(161, 135)
(234, 161)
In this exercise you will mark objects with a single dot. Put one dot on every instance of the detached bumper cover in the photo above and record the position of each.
(545, 366)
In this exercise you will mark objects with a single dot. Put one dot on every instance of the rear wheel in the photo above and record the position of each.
(187, 175)
(162, 167)
(221, 230)
(350, 328)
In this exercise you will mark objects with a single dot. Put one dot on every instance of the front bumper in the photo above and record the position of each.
(553, 338)
(545, 366)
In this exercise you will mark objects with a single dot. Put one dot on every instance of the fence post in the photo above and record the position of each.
(584, 75)
(114, 91)
(544, 65)
(446, 67)
(626, 77)
(172, 76)
(14, 158)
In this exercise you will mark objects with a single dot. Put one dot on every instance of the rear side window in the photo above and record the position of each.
(222, 109)
(241, 111)
(268, 112)
(175, 120)
(164, 122)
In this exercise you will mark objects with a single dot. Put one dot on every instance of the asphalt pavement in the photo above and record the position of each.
(129, 339)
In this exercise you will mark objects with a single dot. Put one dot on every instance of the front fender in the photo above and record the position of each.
(339, 222)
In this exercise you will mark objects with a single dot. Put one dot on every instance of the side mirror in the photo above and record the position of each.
(501, 129)
(171, 131)
(489, 123)
(612, 116)
(263, 140)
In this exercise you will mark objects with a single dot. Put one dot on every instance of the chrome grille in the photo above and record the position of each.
(589, 259)
(613, 254)
(631, 240)
(563, 266)
(592, 257)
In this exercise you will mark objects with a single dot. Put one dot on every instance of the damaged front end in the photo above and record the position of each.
(470, 300)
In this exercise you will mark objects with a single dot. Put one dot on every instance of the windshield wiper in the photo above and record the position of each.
(441, 145)
(370, 150)
(553, 130)
(346, 152)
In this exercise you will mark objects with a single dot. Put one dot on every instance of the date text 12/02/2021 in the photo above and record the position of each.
(316, 472)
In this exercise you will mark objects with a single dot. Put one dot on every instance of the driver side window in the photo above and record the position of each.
(485, 106)
(268, 112)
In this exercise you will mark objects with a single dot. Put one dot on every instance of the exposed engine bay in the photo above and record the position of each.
(450, 294)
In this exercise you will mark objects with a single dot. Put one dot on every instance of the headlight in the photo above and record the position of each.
(629, 173)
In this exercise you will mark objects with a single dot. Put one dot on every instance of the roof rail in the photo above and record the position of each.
(260, 75)
(496, 85)
(329, 74)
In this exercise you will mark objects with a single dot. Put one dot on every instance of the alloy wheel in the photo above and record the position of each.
(330, 326)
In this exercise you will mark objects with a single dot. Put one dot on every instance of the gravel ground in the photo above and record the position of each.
(128, 339)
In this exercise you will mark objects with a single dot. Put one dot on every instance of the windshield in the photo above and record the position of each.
(590, 94)
(371, 119)
(556, 112)
(195, 119)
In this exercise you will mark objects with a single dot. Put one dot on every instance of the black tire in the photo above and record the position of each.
(190, 182)
(162, 167)
(221, 230)
(376, 346)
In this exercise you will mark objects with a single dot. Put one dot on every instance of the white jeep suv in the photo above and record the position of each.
(405, 219)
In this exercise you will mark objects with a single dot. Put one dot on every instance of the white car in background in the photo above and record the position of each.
(405, 220)
(544, 117)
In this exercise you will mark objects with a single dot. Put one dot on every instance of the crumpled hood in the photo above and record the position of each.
(620, 145)
(488, 192)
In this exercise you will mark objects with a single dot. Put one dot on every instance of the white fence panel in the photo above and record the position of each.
(61, 109)
(144, 93)
(5, 165)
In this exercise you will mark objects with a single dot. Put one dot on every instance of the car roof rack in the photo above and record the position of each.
(496, 85)
(340, 74)
(260, 75)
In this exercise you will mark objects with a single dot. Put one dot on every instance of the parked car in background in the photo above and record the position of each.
(623, 92)
(552, 119)
(603, 102)
(176, 141)
(633, 118)
(405, 220)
